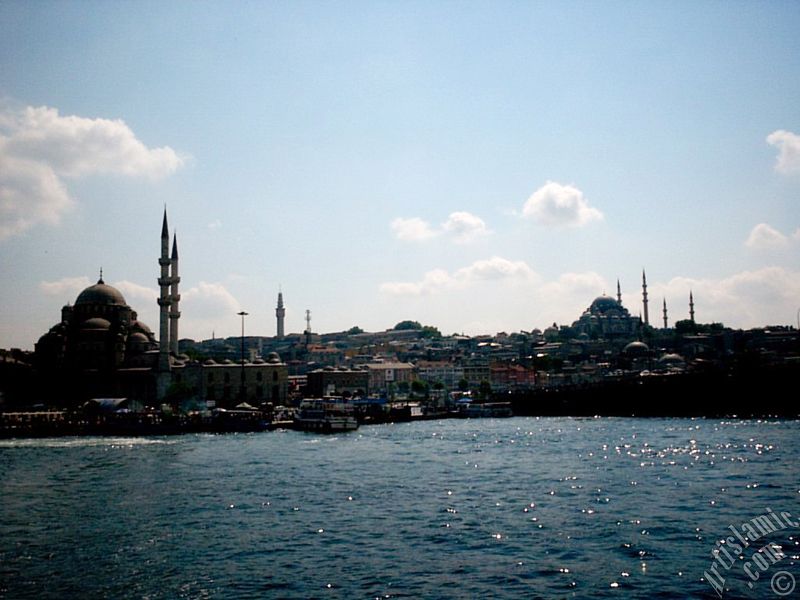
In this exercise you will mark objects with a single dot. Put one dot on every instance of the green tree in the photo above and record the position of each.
(354, 330)
(405, 325)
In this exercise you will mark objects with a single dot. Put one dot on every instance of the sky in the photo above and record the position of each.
(475, 166)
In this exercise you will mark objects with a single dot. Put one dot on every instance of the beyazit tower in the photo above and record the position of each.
(280, 313)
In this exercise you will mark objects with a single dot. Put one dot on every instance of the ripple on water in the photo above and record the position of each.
(511, 508)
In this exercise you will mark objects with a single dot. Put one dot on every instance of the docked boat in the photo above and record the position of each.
(325, 415)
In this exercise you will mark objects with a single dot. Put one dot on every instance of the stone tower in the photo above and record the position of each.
(691, 307)
(280, 313)
(644, 298)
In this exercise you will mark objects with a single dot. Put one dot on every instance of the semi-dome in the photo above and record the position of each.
(96, 323)
(100, 293)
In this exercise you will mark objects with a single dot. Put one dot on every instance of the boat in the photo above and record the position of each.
(325, 415)
(489, 409)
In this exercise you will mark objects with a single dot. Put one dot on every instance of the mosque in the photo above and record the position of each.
(101, 349)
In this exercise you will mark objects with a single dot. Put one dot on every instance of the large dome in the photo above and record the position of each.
(603, 304)
(100, 293)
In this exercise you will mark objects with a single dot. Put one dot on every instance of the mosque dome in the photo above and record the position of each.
(636, 349)
(273, 358)
(138, 338)
(100, 293)
(603, 304)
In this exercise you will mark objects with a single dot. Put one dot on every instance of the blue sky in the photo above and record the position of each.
(476, 166)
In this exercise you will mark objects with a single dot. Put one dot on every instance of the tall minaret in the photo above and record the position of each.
(174, 297)
(619, 293)
(164, 300)
(691, 307)
(280, 312)
(644, 298)
(666, 326)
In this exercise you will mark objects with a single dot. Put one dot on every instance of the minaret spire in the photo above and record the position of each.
(164, 300)
(174, 298)
(644, 298)
(619, 293)
(666, 326)
(691, 307)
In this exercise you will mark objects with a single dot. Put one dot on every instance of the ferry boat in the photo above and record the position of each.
(325, 415)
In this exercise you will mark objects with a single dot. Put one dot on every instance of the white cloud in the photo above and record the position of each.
(465, 227)
(412, 230)
(439, 280)
(30, 193)
(560, 205)
(207, 307)
(38, 147)
(135, 294)
(788, 145)
(67, 286)
(765, 296)
(462, 226)
(764, 237)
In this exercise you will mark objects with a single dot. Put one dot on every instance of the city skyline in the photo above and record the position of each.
(489, 169)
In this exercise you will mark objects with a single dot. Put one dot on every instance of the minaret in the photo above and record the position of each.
(619, 293)
(644, 298)
(691, 307)
(666, 326)
(164, 300)
(308, 327)
(280, 312)
(174, 297)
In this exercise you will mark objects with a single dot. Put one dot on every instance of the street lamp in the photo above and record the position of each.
(241, 389)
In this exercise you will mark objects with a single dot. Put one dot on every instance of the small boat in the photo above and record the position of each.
(325, 415)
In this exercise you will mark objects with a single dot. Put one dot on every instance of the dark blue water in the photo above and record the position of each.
(523, 507)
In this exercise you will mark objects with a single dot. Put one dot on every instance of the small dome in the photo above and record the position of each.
(138, 338)
(209, 362)
(100, 293)
(95, 323)
(141, 327)
(273, 358)
(671, 359)
(636, 349)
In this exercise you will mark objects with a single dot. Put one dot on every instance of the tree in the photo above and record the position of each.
(355, 330)
(405, 325)
(431, 332)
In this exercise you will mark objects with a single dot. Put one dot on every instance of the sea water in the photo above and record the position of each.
(505, 508)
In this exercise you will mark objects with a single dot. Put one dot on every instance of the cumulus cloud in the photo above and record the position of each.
(788, 145)
(463, 227)
(39, 147)
(412, 230)
(207, 308)
(561, 206)
(440, 280)
(66, 286)
(766, 296)
(765, 237)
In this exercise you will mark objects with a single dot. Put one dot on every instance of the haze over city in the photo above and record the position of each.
(476, 167)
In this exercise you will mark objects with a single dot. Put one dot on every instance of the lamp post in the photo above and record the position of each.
(241, 389)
